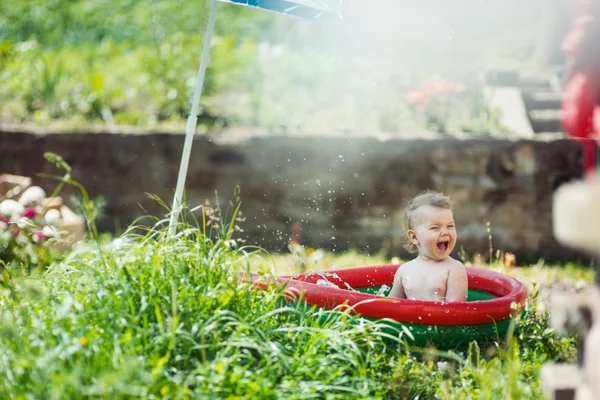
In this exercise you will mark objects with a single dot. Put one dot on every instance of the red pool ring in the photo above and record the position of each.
(507, 293)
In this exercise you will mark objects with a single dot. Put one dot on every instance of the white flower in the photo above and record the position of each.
(5, 237)
(34, 194)
(52, 217)
(11, 208)
(122, 242)
(51, 231)
(23, 222)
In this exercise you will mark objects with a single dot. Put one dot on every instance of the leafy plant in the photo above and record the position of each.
(44, 88)
(167, 317)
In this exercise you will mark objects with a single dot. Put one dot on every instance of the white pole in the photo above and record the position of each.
(190, 128)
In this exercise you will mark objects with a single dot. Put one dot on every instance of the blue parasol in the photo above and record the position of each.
(308, 9)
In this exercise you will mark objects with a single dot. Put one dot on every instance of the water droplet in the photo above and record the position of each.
(420, 318)
(446, 311)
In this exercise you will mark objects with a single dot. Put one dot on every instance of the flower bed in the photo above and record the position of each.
(32, 225)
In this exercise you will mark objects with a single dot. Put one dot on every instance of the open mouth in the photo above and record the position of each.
(443, 245)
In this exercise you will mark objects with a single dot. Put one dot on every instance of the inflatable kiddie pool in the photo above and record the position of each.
(485, 317)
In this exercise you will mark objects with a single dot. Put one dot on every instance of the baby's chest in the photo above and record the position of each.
(430, 283)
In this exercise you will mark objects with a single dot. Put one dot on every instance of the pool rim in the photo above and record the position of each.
(510, 296)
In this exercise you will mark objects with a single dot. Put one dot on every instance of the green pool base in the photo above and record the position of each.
(443, 337)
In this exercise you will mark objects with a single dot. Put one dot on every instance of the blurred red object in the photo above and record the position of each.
(581, 97)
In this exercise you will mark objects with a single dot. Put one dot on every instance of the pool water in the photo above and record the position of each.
(474, 295)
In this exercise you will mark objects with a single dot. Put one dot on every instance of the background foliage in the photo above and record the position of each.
(67, 63)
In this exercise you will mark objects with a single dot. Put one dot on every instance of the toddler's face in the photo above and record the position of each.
(434, 233)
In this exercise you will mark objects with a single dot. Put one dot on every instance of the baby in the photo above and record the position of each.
(433, 275)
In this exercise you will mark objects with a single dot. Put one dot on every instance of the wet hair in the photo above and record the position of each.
(427, 198)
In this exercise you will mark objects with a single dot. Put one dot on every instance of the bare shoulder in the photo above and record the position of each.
(455, 265)
(456, 268)
(403, 270)
(407, 266)
(458, 281)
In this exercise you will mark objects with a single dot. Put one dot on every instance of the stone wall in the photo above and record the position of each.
(346, 192)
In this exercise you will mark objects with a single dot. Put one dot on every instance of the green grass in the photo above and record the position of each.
(166, 318)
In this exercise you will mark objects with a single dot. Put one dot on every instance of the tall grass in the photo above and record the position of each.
(166, 317)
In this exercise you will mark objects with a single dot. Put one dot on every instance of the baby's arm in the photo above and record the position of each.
(397, 288)
(457, 287)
